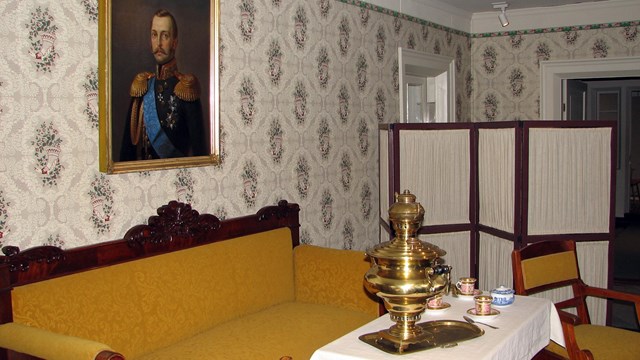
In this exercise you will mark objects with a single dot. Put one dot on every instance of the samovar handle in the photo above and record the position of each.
(441, 269)
(439, 278)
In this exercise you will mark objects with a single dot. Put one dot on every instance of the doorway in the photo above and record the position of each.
(555, 73)
(427, 87)
(610, 99)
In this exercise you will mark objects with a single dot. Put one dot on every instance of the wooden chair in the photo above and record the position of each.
(553, 264)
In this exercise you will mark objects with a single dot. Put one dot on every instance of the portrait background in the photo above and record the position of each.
(131, 52)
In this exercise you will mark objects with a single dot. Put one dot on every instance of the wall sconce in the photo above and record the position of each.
(502, 16)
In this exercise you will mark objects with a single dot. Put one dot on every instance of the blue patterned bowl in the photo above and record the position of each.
(503, 296)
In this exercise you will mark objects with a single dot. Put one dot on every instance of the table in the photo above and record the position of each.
(525, 328)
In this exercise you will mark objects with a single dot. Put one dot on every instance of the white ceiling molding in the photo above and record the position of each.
(588, 13)
(567, 15)
(435, 11)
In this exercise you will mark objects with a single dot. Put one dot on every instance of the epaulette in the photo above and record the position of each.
(187, 88)
(139, 85)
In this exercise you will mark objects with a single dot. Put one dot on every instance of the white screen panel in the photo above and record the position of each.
(569, 181)
(593, 259)
(457, 247)
(495, 267)
(435, 166)
(496, 178)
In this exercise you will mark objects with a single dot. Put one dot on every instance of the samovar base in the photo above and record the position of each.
(437, 333)
(401, 343)
(391, 343)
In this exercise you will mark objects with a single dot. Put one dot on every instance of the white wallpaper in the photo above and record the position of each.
(506, 68)
(304, 85)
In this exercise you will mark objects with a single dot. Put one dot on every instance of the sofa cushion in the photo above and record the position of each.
(291, 329)
(333, 276)
(139, 306)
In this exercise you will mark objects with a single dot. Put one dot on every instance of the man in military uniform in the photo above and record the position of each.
(165, 116)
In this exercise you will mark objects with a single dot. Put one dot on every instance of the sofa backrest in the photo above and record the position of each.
(158, 297)
(334, 276)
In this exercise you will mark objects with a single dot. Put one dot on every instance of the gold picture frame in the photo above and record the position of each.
(124, 47)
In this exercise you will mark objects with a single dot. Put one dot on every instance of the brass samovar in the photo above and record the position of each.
(405, 272)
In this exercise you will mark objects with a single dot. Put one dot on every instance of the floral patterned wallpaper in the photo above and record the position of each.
(304, 85)
(506, 66)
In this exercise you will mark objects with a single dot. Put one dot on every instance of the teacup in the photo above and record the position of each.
(503, 296)
(435, 302)
(483, 304)
(466, 285)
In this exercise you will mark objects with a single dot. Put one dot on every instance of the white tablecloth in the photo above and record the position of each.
(525, 328)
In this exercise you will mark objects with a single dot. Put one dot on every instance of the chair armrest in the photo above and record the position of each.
(569, 321)
(572, 303)
(52, 346)
(333, 277)
(615, 295)
(566, 317)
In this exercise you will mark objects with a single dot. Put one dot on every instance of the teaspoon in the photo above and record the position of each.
(471, 321)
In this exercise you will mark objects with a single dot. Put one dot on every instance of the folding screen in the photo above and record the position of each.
(488, 188)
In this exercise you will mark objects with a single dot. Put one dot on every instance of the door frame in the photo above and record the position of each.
(552, 72)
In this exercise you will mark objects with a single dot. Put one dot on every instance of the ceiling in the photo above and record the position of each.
(475, 6)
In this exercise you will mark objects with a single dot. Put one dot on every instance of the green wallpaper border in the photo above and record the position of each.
(618, 24)
(414, 19)
(400, 15)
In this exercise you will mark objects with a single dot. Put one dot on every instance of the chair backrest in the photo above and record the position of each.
(549, 265)
(545, 265)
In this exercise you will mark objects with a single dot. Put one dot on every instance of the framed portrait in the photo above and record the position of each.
(158, 74)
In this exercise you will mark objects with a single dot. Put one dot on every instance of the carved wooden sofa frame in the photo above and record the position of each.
(177, 226)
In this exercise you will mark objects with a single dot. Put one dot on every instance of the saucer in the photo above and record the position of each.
(473, 314)
(476, 292)
(436, 310)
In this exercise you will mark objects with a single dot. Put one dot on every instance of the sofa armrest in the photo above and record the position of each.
(52, 346)
(333, 277)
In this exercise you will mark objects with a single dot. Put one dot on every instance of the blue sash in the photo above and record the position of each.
(158, 138)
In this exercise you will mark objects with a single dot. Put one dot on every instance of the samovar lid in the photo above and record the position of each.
(406, 209)
(406, 215)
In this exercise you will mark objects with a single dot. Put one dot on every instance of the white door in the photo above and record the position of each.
(416, 106)
(575, 100)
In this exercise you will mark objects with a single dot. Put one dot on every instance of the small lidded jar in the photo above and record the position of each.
(503, 296)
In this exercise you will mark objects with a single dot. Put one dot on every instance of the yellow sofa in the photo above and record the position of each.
(239, 288)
